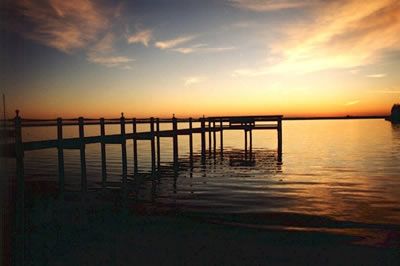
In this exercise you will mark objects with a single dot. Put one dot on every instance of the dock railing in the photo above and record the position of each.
(212, 125)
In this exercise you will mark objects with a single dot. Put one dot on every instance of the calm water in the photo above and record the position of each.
(345, 170)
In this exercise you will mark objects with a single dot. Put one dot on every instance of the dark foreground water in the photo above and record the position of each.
(338, 175)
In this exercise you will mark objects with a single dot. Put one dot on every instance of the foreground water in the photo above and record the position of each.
(343, 170)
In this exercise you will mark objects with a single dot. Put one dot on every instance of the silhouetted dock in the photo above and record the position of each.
(180, 127)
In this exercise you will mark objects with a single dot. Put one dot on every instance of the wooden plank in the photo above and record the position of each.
(39, 145)
(170, 133)
(257, 127)
(71, 144)
(241, 120)
(255, 117)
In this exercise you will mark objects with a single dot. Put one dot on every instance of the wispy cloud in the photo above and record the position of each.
(202, 48)
(189, 81)
(168, 44)
(105, 44)
(357, 35)
(103, 53)
(142, 36)
(381, 75)
(64, 25)
(269, 5)
(109, 60)
(352, 102)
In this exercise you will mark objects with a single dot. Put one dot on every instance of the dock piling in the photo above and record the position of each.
(135, 150)
(203, 138)
(123, 154)
(191, 140)
(175, 140)
(158, 143)
(245, 143)
(214, 129)
(251, 143)
(82, 155)
(209, 137)
(60, 155)
(20, 195)
(280, 139)
(152, 146)
(103, 154)
(221, 137)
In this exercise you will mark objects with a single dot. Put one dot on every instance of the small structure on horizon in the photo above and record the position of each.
(395, 114)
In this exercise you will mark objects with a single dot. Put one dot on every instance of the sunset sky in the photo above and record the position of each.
(155, 58)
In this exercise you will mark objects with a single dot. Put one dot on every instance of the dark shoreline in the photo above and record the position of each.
(102, 232)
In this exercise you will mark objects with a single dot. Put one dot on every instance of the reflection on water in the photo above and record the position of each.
(231, 183)
(347, 171)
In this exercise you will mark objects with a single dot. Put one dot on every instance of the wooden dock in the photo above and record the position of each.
(208, 125)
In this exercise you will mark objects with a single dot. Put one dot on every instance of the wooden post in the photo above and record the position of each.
(158, 143)
(245, 143)
(191, 140)
(135, 152)
(214, 138)
(175, 139)
(251, 143)
(83, 156)
(279, 139)
(20, 200)
(103, 154)
(221, 137)
(123, 154)
(203, 138)
(209, 137)
(153, 146)
(60, 156)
